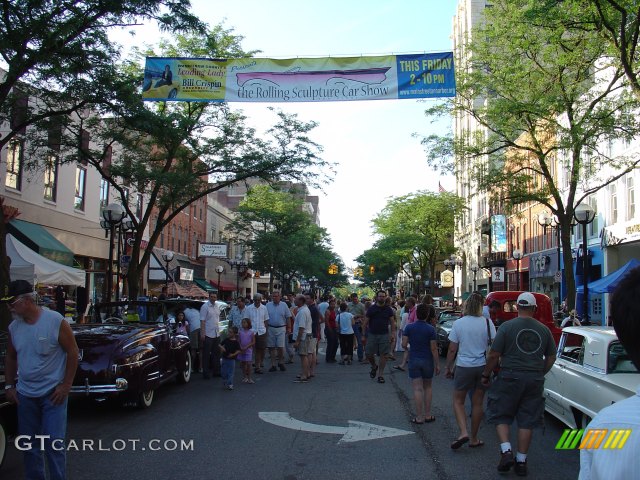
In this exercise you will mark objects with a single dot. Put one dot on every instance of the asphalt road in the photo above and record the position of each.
(224, 437)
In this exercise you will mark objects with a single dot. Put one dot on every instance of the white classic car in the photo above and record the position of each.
(592, 371)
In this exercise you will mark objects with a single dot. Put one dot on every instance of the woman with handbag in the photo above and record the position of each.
(470, 337)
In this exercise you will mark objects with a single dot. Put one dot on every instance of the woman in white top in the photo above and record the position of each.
(345, 323)
(469, 338)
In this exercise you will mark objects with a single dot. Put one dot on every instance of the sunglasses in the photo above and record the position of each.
(15, 301)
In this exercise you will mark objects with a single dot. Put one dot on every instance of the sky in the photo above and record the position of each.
(370, 141)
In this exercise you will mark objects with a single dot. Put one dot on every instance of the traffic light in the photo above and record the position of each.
(333, 269)
(372, 269)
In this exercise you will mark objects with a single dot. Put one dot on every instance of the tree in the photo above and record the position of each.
(549, 111)
(178, 152)
(56, 54)
(422, 224)
(282, 237)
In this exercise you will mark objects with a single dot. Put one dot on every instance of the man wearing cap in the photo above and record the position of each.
(526, 351)
(43, 350)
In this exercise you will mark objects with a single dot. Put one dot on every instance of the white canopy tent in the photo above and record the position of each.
(34, 268)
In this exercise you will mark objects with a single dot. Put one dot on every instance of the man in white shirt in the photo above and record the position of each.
(259, 316)
(210, 335)
(619, 463)
(279, 314)
(302, 335)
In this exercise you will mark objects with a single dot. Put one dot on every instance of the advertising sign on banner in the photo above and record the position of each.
(218, 250)
(446, 279)
(498, 233)
(329, 79)
(186, 274)
(497, 274)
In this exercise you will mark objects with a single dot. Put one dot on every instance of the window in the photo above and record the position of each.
(631, 199)
(194, 245)
(593, 226)
(179, 237)
(613, 203)
(618, 360)
(572, 348)
(173, 238)
(81, 183)
(14, 165)
(104, 193)
(139, 207)
(51, 178)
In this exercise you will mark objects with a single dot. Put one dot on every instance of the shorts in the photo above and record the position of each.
(307, 346)
(261, 341)
(276, 337)
(518, 395)
(377, 344)
(468, 378)
(421, 368)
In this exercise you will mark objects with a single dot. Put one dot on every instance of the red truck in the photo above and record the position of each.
(509, 309)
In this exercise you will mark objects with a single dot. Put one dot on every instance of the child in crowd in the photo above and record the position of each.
(182, 326)
(230, 349)
(247, 341)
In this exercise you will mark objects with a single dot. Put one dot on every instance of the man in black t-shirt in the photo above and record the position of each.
(382, 329)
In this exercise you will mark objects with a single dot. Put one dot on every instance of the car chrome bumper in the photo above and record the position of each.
(120, 385)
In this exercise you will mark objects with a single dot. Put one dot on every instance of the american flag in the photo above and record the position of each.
(441, 188)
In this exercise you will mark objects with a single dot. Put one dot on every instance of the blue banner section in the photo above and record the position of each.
(428, 75)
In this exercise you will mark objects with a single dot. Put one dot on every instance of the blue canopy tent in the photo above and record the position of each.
(609, 283)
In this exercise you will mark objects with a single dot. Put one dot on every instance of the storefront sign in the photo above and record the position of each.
(218, 250)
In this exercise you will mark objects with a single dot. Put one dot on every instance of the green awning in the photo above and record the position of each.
(38, 239)
(203, 284)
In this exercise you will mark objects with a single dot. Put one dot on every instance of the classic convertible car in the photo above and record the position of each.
(128, 351)
(592, 371)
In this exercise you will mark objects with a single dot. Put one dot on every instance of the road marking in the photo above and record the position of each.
(355, 432)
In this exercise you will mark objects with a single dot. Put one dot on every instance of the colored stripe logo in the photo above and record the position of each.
(593, 439)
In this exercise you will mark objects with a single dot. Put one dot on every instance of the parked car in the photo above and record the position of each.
(592, 371)
(444, 325)
(509, 309)
(128, 351)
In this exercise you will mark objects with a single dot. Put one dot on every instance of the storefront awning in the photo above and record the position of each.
(38, 239)
(224, 286)
(203, 284)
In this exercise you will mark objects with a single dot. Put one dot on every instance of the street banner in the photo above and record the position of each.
(329, 79)
(498, 233)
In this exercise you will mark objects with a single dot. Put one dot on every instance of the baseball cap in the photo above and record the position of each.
(526, 299)
(17, 287)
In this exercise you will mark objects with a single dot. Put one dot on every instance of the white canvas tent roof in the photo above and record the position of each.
(34, 268)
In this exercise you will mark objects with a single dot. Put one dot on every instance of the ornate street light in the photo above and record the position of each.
(312, 282)
(474, 269)
(112, 215)
(584, 215)
(240, 267)
(517, 256)
(219, 271)
(418, 278)
(547, 220)
(167, 256)
(453, 262)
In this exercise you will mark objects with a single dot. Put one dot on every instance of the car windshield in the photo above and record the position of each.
(449, 317)
(143, 312)
(448, 324)
(619, 361)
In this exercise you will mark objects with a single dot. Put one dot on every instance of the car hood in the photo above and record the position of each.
(100, 344)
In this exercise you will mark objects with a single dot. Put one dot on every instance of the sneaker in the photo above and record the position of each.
(273, 369)
(230, 387)
(281, 367)
(521, 469)
(506, 461)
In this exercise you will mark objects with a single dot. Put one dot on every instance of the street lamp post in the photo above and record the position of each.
(418, 278)
(312, 283)
(584, 215)
(390, 282)
(547, 220)
(453, 262)
(219, 271)
(517, 256)
(474, 269)
(167, 256)
(241, 267)
(112, 215)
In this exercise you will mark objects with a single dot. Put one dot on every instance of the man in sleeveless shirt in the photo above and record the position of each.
(43, 350)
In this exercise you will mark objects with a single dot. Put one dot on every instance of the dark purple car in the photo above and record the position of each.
(128, 351)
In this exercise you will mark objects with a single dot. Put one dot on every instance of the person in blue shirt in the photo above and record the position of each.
(423, 360)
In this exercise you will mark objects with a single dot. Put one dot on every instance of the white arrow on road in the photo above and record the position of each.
(355, 432)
